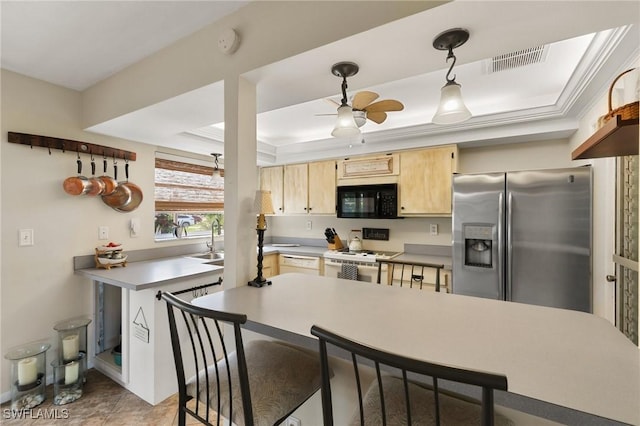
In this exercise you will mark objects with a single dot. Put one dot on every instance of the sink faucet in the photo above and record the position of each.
(212, 245)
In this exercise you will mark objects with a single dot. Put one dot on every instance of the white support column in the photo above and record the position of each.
(240, 181)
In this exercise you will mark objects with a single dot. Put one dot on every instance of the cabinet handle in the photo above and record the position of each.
(305, 209)
(402, 208)
(309, 208)
(280, 208)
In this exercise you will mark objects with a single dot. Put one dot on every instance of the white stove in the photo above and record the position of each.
(365, 256)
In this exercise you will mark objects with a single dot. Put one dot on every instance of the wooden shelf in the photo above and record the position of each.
(616, 138)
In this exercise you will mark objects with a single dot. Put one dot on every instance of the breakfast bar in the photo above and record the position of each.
(566, 358)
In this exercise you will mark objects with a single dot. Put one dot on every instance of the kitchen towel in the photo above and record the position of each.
(348, 272)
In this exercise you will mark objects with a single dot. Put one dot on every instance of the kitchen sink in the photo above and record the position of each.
(216, 258)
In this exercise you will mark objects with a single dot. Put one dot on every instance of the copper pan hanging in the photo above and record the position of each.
(120, 196)
(136, 193)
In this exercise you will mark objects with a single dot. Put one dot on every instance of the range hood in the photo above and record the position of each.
(617, 137)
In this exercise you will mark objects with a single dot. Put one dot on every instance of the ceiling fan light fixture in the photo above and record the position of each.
(346, 124)
(360, 117)
(451, 108)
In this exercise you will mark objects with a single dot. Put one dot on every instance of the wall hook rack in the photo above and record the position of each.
(69, 145)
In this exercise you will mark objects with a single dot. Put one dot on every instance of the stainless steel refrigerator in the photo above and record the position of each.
(524, 236)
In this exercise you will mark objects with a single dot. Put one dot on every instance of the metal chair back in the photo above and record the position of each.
(360, 354)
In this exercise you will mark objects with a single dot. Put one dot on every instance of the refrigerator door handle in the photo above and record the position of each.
(509, 232)
(500, 245)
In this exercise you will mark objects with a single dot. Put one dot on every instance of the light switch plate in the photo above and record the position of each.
(433, 229)
(309, 225)
(26, 237)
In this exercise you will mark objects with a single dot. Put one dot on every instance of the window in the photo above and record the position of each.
(189, 199)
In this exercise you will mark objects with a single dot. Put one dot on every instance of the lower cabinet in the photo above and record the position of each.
(146, 362)
(270, 265)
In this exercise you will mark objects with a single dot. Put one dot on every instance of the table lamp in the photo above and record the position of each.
(262, 205)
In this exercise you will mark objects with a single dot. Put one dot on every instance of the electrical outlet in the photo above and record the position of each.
(103, 233)
(292, 421)
(309, 225)
(433, 229)
(25, 237)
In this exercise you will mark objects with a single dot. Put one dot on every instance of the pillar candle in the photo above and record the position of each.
(70, 347)
(71, 373)
(27, 371)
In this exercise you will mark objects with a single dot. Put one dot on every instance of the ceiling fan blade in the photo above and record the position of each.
(377, 117)
(385, 105)
(332, 102)
(364, 98)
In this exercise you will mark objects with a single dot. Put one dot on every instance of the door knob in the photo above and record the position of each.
(611, 278)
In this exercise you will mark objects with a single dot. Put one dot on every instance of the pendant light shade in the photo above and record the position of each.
(345, 125)
(451, 108)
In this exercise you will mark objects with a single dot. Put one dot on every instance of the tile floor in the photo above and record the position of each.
(103, 402)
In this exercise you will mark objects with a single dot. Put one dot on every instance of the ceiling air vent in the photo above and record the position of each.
(519, 58)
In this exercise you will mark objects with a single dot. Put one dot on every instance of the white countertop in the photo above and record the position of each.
(568, 358)
(151, 273)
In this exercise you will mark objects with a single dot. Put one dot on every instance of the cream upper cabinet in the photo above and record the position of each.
(271, 179)
(310, 188)
(322, 187)
(296, 185)
(425, 181)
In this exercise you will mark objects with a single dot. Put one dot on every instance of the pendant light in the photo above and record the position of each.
(216, 169)
(451, 108)
(345, 125)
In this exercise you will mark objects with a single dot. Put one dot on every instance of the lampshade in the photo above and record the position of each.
(345, 125)
(262, 203)
(451, 108)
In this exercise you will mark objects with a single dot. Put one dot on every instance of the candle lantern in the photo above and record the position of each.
(28, 375)
(68, 378)
(72, 342)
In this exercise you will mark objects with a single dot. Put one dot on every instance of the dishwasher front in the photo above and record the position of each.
(296, 263)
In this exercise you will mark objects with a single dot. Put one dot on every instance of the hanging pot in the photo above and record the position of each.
(120, 196)
(76, 185)
(96, 184)
(136, 193)
(109, 183)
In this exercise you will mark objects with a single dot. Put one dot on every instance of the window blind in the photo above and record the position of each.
(181, 186)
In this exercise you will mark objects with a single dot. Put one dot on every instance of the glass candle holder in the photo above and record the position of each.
(68, 379)
(28, 375)
(72, 341)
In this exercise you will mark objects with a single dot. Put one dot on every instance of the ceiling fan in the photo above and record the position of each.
(363, 106)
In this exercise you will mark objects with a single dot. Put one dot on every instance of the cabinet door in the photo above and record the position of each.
(270, 265)
(322, 187)
(296, 182)
(271, 179)
(425, 180)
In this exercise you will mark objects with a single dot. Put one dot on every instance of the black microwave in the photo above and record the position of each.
(368, 201)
